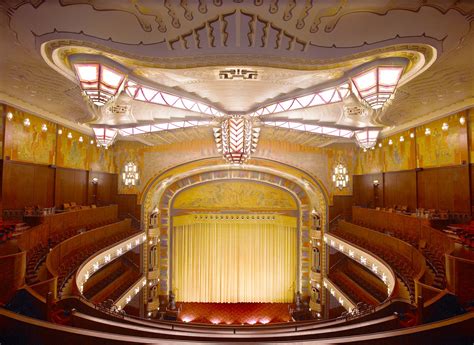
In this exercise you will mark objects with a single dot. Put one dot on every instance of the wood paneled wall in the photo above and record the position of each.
(342, 204)
(27, 184)
(400, 189)
(447, 188)
(71, 185)
(444, 188)
(365, 194)
(127, 204)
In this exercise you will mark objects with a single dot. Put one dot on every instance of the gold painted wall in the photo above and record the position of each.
(234, 195)
(29, 144)
(399, 155)
(318, 162)
(442, 148)
(71, 152)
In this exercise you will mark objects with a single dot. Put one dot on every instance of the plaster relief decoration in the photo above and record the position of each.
(236, 138)
(238, 73)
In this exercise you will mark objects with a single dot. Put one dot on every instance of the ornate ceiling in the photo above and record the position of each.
(294, 46)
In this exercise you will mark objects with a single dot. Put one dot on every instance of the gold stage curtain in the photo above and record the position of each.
(234, 258)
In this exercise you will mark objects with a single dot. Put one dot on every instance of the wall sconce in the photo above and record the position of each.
(9, 116)
(462, 120)
(340, 176)
(95, 180)
(26, 122)
(130, 174)
(376, 183)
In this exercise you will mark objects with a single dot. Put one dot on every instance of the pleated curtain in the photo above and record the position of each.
(234, 260)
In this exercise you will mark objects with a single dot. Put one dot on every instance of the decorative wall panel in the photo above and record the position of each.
(71, 152)
(29, 143)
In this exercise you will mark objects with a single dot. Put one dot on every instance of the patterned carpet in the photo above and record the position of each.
(234, 313)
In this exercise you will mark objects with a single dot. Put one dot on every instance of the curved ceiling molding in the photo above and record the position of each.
(296, 48)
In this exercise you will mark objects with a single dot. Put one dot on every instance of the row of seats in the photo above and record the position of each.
(37, 255)
(349, 288)
(398, 263)
(366, 285)
(465, 233)
(103, 283)
(71, 262)
(120, 290)
(434, 256)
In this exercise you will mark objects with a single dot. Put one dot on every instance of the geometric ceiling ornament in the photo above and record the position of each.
(99, 83)
(158, 127)
(323, 97)
(316, 129)
(377, 85)
(236, 138)
(148, 94)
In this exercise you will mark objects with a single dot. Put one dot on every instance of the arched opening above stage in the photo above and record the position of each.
(185, 191)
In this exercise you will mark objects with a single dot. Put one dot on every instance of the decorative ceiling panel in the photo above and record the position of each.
(292, 45)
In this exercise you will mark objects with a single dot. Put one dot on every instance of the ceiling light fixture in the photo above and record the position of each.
(367, 138)
(299, 126)
(99, 83)
(105, 136)
(236, 138)
(327, 96)
(150, 95)
(377, 85)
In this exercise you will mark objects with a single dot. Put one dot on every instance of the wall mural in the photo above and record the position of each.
(443, 142)
(442, 147)
(71, 152)
(399, 152)
(234, 195)
(28, 143)
(32, 139)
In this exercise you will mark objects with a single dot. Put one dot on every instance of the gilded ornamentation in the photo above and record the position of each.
(234, 195)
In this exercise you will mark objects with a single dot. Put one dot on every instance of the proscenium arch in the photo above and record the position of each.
(161, 188)
(291, 193)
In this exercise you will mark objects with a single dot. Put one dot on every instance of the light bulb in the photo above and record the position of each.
(462, 120)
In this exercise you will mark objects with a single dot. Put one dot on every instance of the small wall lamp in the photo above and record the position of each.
(95, 180)
(376, 183)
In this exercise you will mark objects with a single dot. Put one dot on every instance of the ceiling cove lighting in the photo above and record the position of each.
(105, 136)
(99, 83)
(377, 85)
(328, 96)
(161, 127)
(367, 138)
(236, 138)
(150, 95)
(332, 131)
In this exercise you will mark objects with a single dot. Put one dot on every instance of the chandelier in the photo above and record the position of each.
(377, 85)
(236, 138)
(367, 138)
(130, 174)
(340, 176)
(98, 82)
(105, 136)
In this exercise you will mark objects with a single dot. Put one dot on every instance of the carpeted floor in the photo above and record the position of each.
(234, 313)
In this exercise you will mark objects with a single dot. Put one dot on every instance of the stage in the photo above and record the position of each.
(234, 313)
